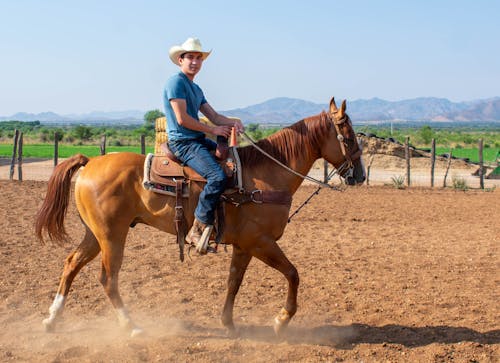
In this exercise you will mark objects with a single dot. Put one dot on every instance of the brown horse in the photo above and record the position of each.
(110, 198)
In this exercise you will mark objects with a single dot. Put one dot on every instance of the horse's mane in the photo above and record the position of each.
(303, 137)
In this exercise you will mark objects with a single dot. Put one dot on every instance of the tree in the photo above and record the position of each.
(426, 134)
(254, 131)
(82, 132)
(150, 118)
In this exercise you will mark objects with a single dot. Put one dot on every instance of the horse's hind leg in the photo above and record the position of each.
(112, 257)
(84, 253)
(268, 251)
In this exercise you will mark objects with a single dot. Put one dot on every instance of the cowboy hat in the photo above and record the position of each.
(190, 45)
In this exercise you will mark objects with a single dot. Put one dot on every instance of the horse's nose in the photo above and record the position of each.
(350, 180)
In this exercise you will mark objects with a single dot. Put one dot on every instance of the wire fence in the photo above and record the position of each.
(386, 164)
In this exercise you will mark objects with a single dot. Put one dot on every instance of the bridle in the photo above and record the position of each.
(345, 147)
(341, 170)
(345, 170)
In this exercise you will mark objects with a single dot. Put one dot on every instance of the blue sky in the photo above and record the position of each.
(82, 56)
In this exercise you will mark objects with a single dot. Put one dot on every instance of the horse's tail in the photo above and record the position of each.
(50, 217)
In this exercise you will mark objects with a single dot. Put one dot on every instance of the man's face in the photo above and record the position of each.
(191, 63)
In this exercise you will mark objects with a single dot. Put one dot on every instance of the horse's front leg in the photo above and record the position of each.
(239, 264)
(268, 251)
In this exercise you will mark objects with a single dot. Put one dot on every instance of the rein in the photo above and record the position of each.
(306, 177)
(316, 192)
(346, 164)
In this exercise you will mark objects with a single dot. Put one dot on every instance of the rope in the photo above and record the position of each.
(316, 192)
(306, 177)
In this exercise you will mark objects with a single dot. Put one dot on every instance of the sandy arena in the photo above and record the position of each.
(386, 275)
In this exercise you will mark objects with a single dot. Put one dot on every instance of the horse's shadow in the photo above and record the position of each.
(345, 337)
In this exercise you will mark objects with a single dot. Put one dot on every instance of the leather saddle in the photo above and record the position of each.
(166, 170)
(165, 174)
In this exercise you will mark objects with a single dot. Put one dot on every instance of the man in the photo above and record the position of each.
(183, 100)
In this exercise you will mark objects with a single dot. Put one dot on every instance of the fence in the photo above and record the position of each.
(38, 168)
(386, 163)
(393, 163)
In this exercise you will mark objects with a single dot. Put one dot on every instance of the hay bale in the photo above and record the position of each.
(375, 145)
(160, 134)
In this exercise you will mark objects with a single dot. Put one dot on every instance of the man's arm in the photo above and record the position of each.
(218, 119)
(183, 119)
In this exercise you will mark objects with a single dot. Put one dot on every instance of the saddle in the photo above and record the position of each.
(166, 169)
(165, 174)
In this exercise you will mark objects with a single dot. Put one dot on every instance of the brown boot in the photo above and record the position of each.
(199, 235)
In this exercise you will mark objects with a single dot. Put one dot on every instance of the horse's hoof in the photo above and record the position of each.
(279, 328)
(136, 332)
(49, 325)
(281, 322)
(232, 333)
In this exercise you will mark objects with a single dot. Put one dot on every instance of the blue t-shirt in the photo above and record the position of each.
(179, 86)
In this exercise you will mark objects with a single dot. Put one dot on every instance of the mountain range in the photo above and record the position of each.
(284, 110)
(424, 109)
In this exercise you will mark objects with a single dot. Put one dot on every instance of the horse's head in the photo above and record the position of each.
(341, 148)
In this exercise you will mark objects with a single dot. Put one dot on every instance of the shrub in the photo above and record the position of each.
(459, 183)
(398, 181)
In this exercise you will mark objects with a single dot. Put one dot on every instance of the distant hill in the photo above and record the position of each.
(485, 110)
(95, 117)
(284, 110)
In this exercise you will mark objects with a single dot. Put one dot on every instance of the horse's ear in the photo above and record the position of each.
(333, 106)
(342, 109)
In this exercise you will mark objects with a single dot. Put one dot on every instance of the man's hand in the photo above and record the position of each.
(222, 130)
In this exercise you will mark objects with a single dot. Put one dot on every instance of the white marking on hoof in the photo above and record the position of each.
(136, 332)
(123, 317)
(57, 304)
(48, 325)
(281, 321)
(55, 312)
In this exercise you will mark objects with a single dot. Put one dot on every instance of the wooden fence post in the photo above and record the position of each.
(447, 168)
(407, 157)
(14, 152)
(20, 158)
(103, 144)
(370, 161)
(481, 162)
(143, 144)
(433, 160)
(56, 148)
(325, 171)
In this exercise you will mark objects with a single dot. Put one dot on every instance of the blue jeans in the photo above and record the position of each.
(196, 154)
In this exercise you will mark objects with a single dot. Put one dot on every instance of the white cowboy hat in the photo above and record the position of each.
(190, 45)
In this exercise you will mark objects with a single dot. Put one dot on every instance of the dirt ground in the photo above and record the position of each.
(386, 276)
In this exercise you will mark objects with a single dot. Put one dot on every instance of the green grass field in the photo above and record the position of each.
(47, 150)
(489, 154)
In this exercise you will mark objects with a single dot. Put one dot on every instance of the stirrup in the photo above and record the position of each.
(203, 242)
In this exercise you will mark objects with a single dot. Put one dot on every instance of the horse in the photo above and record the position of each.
(110, 199)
